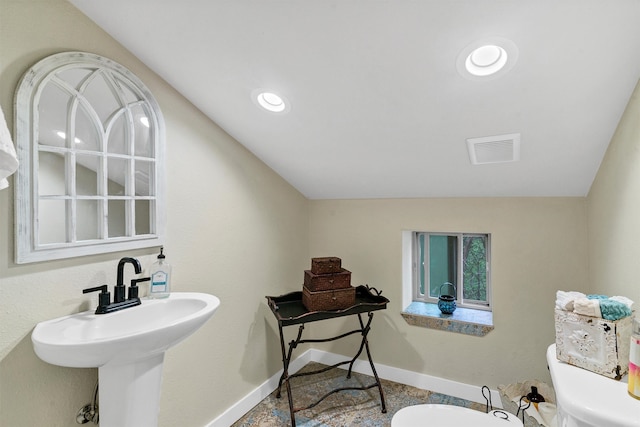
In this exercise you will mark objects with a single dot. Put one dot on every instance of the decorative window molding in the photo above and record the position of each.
(90, 142)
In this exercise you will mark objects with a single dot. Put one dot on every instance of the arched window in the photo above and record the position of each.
(90, 140)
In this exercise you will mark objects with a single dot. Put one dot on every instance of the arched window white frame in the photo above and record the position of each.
(90, 142)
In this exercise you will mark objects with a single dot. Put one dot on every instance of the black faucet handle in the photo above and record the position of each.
(133, 289)
(104, 298)
(134, 282)
(102, 288)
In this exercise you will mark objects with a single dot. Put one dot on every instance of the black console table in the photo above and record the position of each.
(289, 311)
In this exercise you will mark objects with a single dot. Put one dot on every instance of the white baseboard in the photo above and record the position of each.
(402, 376)
(244, 405)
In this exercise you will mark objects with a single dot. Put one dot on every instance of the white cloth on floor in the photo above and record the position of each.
(8, 159)
(530, 410)
(548, 412)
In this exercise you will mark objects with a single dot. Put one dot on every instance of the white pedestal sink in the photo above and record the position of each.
(128, 349)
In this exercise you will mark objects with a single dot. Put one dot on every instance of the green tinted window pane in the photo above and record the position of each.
(442, 262)
(421, 268)
(475, 268)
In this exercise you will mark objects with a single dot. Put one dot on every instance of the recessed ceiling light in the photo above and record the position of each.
(270, 101)
(486, 59)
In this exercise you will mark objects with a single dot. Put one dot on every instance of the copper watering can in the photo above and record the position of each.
(447, 302)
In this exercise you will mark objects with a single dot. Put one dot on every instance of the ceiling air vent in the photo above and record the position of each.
(494, 149)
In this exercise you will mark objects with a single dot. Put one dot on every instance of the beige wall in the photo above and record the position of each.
(234, 229)
(538, 246)
(614, 211)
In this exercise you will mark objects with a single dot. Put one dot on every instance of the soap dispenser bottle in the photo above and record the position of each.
(160, 277)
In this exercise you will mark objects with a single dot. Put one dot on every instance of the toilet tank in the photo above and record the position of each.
(587, 399)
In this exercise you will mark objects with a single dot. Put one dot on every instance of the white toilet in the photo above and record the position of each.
(586, 399)
(451, 416)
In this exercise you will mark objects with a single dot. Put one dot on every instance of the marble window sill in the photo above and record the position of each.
(463, 320)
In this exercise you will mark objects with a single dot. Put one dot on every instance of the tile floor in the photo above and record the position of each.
(342, 409)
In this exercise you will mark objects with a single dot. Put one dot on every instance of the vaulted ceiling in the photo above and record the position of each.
(378, 105)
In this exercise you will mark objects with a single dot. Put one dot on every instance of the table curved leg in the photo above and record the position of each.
(287, 354)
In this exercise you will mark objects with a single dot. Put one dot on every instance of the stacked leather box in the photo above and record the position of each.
(327, 286)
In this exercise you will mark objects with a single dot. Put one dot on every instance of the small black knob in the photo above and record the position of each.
(133, 289)
(133, 292)
(119, 292)
(104, 298)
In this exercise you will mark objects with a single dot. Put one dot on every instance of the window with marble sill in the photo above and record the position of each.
(453, 265)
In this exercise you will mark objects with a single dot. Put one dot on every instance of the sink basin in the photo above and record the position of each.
(88, 340)
(128, 348)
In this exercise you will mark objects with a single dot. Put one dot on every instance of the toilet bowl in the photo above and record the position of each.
(451, 416)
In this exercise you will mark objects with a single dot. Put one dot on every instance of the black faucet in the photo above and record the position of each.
(119, 300)
(120, 289)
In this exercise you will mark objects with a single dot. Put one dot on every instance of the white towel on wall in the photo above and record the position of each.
(8, 159)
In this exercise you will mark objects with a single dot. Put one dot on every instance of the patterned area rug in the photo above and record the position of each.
(345, 408)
